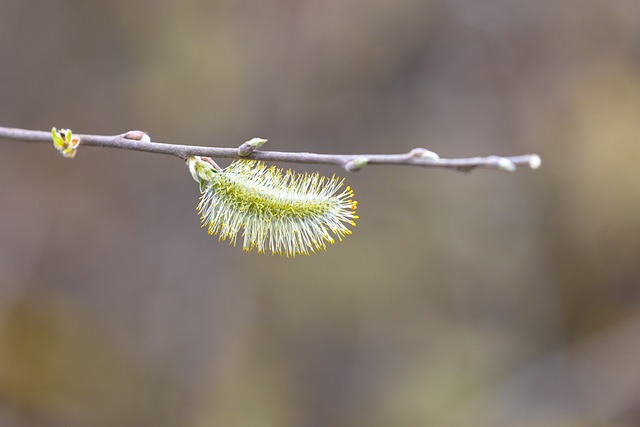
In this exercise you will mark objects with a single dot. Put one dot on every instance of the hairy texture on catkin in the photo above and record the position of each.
(280, 212)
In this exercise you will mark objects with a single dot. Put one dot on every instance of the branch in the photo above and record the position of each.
(138, 141)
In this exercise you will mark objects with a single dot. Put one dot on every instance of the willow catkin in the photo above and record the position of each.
(279, 211)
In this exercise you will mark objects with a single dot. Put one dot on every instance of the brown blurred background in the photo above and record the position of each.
(489, 299)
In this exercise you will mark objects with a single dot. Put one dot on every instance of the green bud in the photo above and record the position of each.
(202, 169)
(65, 142)
(250, 146)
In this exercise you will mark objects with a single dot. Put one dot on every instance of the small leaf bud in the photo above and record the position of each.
(506, 165)
(137, 135)
(423, 153)
(65, 142)
(356, 164)
(250, 146)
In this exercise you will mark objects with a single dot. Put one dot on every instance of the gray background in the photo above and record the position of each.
(488, 299)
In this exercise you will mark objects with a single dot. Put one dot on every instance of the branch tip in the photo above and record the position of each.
(535, 161)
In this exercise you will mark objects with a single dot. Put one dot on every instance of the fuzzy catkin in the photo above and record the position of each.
(279, 212)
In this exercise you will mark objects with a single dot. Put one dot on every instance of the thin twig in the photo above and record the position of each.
(417, 157)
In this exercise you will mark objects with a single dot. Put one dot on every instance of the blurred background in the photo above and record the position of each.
(488, 299)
